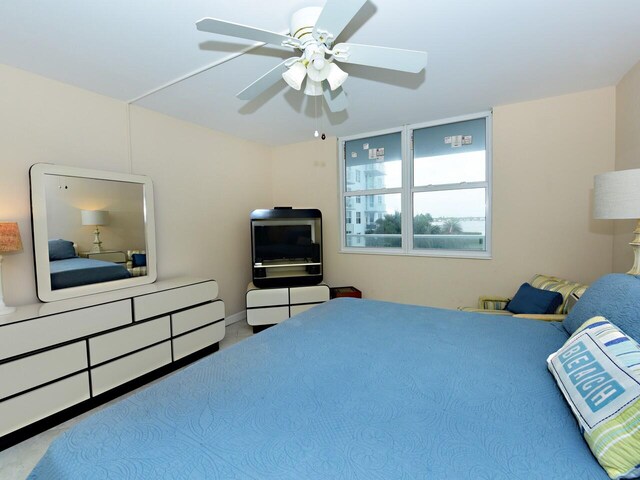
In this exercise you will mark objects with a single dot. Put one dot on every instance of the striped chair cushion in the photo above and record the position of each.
(493, 302)
(598, 372)
(485, 310)
(564, 287)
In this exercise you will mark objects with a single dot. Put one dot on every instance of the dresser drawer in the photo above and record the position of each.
(112, 345)
(159, 303)
(267, 296)
(267, 316)
(42, 402)
(44, 332)
(193, 318)
(29, 372)
(112, 374)
(314, 294)
(194, 341)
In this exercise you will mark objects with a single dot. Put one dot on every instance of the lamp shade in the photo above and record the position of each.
(313, 88)
(295, 75)
(617, 195)
(336, 76)
(10, 240)
(95, 217)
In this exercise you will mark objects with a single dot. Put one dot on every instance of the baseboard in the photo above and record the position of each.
(236, 317)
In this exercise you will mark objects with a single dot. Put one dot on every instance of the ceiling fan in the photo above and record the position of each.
(313, 32)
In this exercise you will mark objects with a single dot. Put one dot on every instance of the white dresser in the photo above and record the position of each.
(62, 358)
(268, 306)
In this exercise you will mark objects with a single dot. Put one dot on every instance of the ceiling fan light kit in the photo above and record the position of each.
(313, 31)
(295, 75)
(336, 76)
(313, 88)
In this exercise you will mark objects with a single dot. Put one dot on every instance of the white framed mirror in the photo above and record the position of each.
(93, 231)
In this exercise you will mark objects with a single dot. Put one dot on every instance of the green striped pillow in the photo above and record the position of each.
(598, 372)
(555, 284)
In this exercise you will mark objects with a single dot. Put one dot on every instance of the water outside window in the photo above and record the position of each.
(449, 219)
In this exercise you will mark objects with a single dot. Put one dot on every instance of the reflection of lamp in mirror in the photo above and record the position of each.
(10, 241)
(95, 218)
(617, 196)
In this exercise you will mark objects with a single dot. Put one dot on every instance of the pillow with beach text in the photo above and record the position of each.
(598, 372)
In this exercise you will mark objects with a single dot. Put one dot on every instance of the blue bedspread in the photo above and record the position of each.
(73, 272)
(351, 389)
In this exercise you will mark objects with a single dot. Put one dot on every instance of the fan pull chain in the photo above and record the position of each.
(315, 113)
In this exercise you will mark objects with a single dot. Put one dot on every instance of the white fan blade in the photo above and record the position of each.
(264, 82)
(335, 15)
(336, 99)
(392, 58)
(222, 27)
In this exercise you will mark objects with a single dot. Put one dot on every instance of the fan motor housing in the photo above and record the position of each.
(303, 21)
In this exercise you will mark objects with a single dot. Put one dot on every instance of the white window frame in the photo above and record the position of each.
(407, 191)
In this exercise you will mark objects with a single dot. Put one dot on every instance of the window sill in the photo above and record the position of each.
(418, 253)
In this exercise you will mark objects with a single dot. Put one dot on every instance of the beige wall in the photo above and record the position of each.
(546, 153)
(42, 121)
(627, 156)
(206, 183)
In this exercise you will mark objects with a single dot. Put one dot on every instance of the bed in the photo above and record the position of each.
(76, 271)
(69, 270)
(351, 389)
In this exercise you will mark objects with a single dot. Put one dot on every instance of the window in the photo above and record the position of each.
(426, 189)
(381, 168)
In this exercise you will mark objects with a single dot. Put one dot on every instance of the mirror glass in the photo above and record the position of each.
(93, 231)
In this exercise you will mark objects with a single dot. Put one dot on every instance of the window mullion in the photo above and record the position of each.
(407, 181)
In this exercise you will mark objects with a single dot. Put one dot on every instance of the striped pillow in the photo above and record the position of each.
(598, 372)
(564, 287)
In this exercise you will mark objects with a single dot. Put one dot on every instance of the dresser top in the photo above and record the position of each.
(27, 312)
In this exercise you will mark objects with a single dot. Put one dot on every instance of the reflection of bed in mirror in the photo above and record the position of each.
(69, 270)
(77, 271)
(86, 224)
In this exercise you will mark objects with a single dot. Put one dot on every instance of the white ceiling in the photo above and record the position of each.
(481, 54)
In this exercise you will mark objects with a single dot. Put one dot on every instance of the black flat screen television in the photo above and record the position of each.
(283, 243)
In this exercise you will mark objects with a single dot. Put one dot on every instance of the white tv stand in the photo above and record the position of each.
(286, 245)
(269, 306)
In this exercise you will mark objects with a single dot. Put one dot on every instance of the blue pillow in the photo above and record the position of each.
(138, 260)
(529, 299)
(615, 296)
(61, 249)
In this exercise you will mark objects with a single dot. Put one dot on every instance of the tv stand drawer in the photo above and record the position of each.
(266, 297)
(313, 294)
(268, 306)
